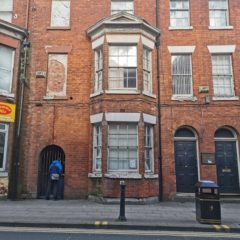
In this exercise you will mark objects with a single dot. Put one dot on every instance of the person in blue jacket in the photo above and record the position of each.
(54, 174)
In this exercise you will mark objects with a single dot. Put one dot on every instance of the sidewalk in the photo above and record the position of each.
(84, 214)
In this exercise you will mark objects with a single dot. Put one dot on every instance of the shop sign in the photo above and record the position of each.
(7, 112)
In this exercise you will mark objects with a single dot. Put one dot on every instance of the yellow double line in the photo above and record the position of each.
(218, 228)
(101, 223)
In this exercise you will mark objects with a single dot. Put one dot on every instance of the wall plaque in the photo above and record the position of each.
(208, 158)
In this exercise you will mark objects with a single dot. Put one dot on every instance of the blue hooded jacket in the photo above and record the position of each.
(55, 167)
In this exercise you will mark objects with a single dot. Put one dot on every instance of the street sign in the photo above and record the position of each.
(7, 112)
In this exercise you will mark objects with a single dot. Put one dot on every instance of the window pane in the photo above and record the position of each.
(122, 67)
(6, 5)
(97, 148)
(60, 13)
(148, 148)
(122, 145)
(179, 13)
(222, 75)
(182, 75)
(218, 13)
(118, 6)
(3, 139)
(218, 4)
(6, 65)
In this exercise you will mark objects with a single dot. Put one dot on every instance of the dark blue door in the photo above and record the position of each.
(227, 168)
(186, 166)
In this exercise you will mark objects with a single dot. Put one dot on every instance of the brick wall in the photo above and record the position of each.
(65, 122)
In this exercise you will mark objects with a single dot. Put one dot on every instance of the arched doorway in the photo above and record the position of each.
(47, 155)
(226, 155)
(186, 160)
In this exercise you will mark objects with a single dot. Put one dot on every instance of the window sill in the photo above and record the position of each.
(183, 98)
(220, 28)
(150, 176)
(3, 174)
(149, 94)
(225, 98)
(9, 95)
(123, 91)
(95, 175)
(96, 94)
(123, 175)
(55, 98)
(181, 28)
(59, 28)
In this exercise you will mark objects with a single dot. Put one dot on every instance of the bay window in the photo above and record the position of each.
(122, 67)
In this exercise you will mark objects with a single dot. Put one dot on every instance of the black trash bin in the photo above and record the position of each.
(207, 198)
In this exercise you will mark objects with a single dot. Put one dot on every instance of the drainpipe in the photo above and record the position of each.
(159, 106)
(13, 181)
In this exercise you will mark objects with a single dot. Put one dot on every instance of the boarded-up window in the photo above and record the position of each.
(60, 16)
(6, 7)
(57, 75)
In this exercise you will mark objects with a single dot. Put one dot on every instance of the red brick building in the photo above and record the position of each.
(99, 89)
(12, 82)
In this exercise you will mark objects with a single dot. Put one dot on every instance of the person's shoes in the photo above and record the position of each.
(55, 199)
(47, 198)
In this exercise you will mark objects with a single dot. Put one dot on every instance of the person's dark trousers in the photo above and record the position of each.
(52, 188)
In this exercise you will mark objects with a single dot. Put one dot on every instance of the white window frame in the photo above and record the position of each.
(147, 69)
(180, 10)
(149, 147)
(4, 91)
(230, 75)
(190, 75)
(129, 170)
(98, 70)
(121, 81)
(55, 17)
(114, 11)
(97, 146)
(226, 10)
(6, 14)
(5, 130)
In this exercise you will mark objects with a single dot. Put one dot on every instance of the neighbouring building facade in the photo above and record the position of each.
(112, 102)
(11, 50)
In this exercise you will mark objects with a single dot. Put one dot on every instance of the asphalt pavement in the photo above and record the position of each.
(170, 215)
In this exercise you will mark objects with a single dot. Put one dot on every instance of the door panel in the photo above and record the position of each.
(227, 168)
(186, 166)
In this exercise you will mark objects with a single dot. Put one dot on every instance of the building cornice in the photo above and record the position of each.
(12, 30)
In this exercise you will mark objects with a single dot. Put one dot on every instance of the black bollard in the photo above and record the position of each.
(122, 202)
